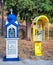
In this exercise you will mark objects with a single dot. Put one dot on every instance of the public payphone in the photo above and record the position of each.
(39, 33)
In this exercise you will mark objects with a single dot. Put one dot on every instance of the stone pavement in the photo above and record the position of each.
(27, 62)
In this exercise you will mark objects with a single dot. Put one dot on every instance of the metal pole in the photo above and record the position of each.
(2, 3)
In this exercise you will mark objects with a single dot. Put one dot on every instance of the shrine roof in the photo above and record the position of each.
(11, 19)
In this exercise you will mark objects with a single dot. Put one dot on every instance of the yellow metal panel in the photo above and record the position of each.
(43, 18)
(38, 49)
(34, 33)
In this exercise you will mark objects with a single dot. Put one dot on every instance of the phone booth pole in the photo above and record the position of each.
(39, 33)
(11, 26)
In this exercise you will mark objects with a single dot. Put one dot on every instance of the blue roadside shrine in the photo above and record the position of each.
(11, 26)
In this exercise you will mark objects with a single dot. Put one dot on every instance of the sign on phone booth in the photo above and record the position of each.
(11, 26)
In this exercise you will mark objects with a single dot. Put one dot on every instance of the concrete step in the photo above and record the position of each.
(27, 62)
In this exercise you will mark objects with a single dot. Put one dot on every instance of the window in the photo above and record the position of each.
(11, 33)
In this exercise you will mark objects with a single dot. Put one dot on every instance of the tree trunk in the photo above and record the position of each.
(28, 28)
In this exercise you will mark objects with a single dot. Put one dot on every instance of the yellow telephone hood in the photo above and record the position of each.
(41, 18)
